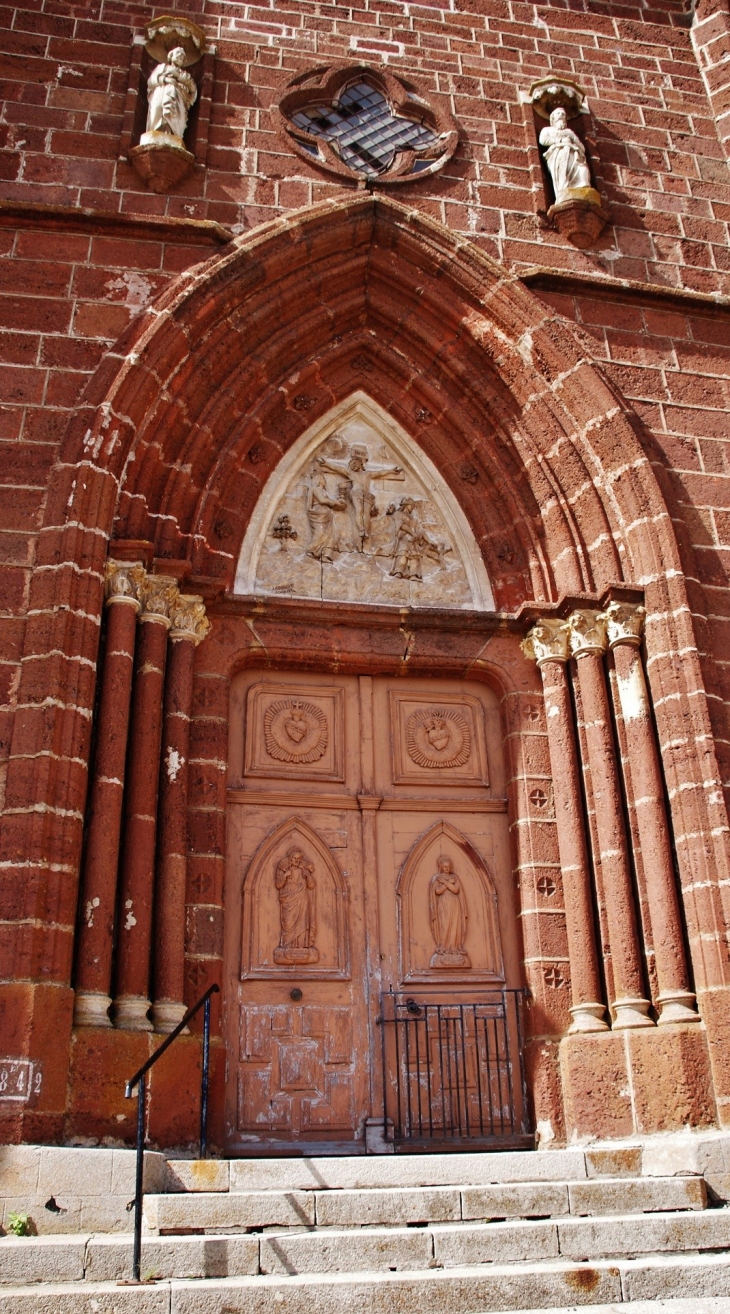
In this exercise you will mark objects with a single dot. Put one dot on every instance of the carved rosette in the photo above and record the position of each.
(548, 641)
(438, 737)
(625, 623)
(158, 594)
(188, 618)
(295, 731)
(122, 580)
(587, 632)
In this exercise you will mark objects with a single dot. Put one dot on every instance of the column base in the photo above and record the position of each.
(677, 1006)
(166, 1015)
(130, 1013)
(91, 1009)
(630, 1013)
(587, 1017)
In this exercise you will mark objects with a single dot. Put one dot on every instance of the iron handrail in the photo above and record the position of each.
(139, 1080)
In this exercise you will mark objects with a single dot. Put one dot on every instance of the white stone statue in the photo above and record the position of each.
(171, 94)
(565, 157)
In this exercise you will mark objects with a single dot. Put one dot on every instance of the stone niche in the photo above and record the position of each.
(355, 512)
(166, 120)
(577, 210)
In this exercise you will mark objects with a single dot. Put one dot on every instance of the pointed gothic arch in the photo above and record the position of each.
(188, 415)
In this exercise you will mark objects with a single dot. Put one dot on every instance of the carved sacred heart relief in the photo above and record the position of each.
(295, 731)
(438, 737)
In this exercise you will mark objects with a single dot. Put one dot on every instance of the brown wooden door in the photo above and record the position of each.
(368, 851)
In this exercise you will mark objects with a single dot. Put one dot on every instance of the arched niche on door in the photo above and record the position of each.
(294, 909)
(448, 923)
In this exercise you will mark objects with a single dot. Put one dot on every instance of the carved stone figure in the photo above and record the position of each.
(295, 731)
(565, 157)
(438, 737)
(295, 882)
(321, 507)
(448, 910)
(412, 541)
(357, 491)
(171, 94)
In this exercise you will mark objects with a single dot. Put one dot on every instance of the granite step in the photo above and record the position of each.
(248, 1210)
(103, 1258)
(541, 1286)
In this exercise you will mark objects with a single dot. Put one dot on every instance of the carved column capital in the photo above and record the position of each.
(158, 595)
(625, 623)
(188, 618)
(122, 582)
(547, 641)
(587, 632)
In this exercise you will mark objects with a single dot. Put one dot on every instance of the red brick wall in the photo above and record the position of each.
(71, 283)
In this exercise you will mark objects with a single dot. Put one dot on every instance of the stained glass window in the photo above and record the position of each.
(361, 126)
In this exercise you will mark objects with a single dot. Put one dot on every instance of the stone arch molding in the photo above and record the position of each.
(472, 952)
(355, 511)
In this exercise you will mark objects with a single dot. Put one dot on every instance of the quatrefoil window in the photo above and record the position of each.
(366, 124)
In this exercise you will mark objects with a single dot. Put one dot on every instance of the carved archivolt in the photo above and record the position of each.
(295, 731)
(438, 737)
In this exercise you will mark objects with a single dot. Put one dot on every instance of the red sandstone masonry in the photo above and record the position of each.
(64, 71)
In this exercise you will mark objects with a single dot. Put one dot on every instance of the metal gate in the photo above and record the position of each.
(454, 1075)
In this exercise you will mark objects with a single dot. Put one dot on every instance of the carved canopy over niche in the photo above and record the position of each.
(448, 924)
(356, 512)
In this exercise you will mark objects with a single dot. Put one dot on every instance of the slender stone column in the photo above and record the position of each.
(101, 857)
(158, 593)
(548, 645)
(588, 644)
(189, 627)
(676, 1001)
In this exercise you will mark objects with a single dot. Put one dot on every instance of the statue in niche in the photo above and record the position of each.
(565, 156)
(356, 491)
(320, 514)
(171, 94)
(412, 541)
(296, 886)
(447, 907)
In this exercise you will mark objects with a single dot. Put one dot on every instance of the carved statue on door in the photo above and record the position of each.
(449, 914)
(295, 882)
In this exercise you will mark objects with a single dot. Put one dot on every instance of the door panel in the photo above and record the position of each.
(368, 850)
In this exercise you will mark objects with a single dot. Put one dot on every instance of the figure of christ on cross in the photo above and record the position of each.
(357, 491)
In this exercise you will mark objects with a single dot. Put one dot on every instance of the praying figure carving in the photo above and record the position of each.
(412, 541)
(565, 156)
(449, 914)
(321, 507)
(171, 94)
(357, 493)
(295, 882)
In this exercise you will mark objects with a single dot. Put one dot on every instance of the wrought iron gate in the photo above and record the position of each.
(454, 1075)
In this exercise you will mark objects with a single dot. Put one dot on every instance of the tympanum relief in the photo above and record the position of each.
(290, 735)
(355, 525)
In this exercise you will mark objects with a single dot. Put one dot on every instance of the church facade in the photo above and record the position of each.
(365, 543)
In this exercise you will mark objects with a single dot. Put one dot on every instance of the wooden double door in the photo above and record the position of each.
(368, 853)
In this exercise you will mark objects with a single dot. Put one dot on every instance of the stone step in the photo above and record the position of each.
(382, 1171)
(446, 1245)
(539, 1287)
(247, 1210)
